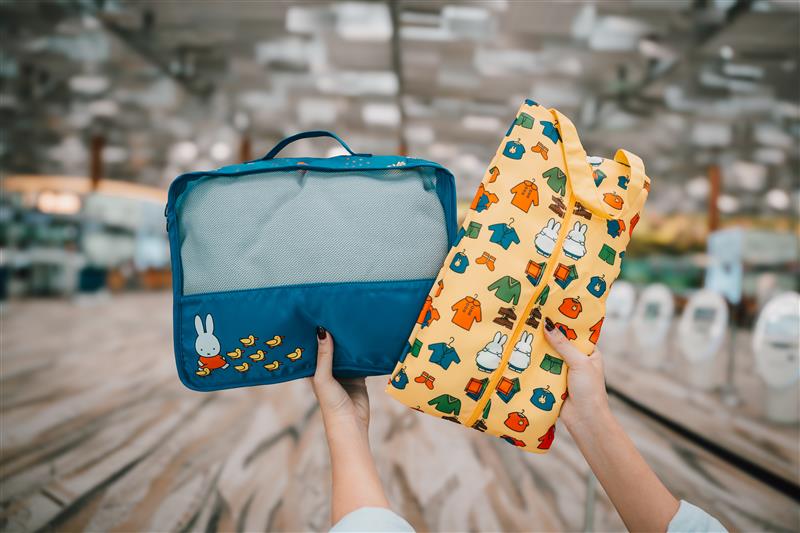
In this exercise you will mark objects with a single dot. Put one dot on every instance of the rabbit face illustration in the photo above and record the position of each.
(575, 244)
(207, 345)
(521, 356)
(488, 359)
(545, 240)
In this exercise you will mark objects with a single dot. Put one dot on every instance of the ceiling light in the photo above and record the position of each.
(727, 203)
(88, 84)
(697, 187)
(184, 152)
(778, 199)
(380, 114)
(363, 22)
(482, 123)
(220, 151)
(750, 176)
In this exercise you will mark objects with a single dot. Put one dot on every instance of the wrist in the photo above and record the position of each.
(591, 418)
(344, 427)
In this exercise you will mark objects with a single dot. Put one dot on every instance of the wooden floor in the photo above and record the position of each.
(97, 434)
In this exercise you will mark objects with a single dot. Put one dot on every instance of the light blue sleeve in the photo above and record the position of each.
(376, 519)
(692, 519)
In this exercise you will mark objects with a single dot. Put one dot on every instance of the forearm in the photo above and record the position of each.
(355, 481)
(643, 502)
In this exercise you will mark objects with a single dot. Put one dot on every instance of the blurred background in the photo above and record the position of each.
(105, 102)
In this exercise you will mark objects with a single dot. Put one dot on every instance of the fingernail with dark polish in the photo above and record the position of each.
(321, 332)
(548, 324)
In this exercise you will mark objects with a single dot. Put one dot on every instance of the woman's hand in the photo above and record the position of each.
(343, 402)
(585, 382)
(345, 412)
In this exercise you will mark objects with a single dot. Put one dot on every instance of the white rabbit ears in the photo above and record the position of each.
(580, 228)
(198, 324)
(499, 338)
(552, 224)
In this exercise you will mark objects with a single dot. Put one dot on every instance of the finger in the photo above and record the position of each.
(565, 349)
(324, 369)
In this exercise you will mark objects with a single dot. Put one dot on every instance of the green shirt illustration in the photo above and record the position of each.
(446, 404)
(557, 180)
(507, 288)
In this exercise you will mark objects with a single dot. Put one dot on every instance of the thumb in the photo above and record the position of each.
(324, 355)
(561, 344)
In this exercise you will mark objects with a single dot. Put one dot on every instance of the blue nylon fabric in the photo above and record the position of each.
(370, 321)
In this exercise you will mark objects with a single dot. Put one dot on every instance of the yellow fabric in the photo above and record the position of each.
(480, 357)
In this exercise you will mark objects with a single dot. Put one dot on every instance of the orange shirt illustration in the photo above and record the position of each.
(428, 313)
(468, 311)
(525, 193)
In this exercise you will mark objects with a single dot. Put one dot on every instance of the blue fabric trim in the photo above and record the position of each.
(368, 333)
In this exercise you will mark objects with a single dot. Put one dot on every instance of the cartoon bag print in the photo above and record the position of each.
(552, 242)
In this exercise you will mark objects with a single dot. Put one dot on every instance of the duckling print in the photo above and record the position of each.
(248, 341)
(207, 347)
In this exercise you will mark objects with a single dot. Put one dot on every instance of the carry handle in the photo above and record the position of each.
(308, 135)
(579, 172)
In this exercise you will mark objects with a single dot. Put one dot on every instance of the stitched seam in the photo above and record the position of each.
(494, 378)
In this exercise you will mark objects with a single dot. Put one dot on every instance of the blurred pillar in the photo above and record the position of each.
(96, 160)
(245, 148)
(715, 186)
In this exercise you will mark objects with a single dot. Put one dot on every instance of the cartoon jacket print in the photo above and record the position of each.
(543, 240)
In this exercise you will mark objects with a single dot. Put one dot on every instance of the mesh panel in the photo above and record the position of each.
(274, 229)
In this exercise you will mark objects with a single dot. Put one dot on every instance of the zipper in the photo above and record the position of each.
(494, 379)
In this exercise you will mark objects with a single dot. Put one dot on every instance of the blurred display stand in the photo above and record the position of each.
(776, 345)
(619, 309)
(651, 323)
(701, 333)
(61, 237)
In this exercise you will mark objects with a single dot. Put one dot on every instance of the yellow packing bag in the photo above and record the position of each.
(544, 237)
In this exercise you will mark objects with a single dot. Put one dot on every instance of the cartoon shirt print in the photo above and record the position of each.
(504, 235)
(428, 313)
(507, 289)
(467, 311)
(514, 150)
(446, 404)
(526, 193)
(483, 199)
(546, 440)
(443, 355)
(556, 180)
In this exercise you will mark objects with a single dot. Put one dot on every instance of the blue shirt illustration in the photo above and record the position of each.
(550, 131)
(400, 380)
(543, 399)
(504, 235)
(459, 263)
(443, 355)
(514, 150)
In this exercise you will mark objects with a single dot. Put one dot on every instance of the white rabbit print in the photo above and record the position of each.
(521, 355)
(207, 347)
(575, 244)
(545, 240)
(488, 359)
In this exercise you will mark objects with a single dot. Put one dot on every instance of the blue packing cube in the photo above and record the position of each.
(264, 251)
